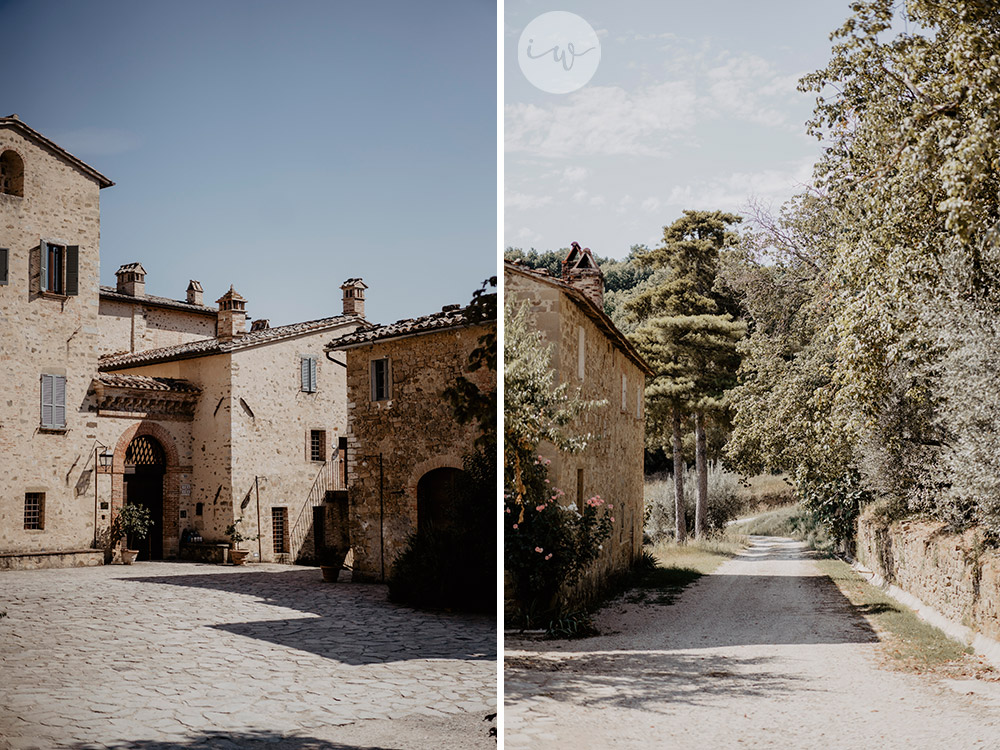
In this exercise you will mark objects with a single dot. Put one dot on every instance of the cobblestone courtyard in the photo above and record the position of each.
(184, 655)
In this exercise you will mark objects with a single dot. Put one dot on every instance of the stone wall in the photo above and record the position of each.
(612, 465)
(134, 326)
(414, 432)
(950, 573)
(41, 333)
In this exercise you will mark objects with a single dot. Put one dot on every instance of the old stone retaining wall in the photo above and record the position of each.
(951, 573)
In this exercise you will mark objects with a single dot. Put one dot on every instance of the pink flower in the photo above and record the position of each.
(548, 556)
(539, 550)
(515, 525)
(612, 519)
(540, 508)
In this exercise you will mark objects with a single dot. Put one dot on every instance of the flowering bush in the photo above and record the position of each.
(549, 542)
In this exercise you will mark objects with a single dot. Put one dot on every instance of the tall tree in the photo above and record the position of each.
(688, 334)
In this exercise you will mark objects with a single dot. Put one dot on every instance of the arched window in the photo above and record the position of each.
(11, 174)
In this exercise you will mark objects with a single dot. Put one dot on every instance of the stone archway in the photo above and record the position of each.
(145, 466)
(166, 526)
(437, 497)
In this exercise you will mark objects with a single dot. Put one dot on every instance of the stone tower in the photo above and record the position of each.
(354, 297)
(579, 269)
(232, 320)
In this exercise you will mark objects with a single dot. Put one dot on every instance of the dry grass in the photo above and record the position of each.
(908, 643)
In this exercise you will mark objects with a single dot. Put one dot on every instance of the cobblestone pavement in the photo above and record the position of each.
(182, 655)
(764, 653)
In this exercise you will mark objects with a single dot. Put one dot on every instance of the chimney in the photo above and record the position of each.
(132, 279)
(354, 297)
(261, 324)
(232, 317)
(579, 269)
(195, 292)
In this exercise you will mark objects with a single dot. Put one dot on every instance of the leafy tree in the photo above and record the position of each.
(688, 335)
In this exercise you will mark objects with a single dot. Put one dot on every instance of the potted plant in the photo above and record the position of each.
(131, 521)
(331, 562)
(237, 554)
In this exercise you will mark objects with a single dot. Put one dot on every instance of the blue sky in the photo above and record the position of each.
(693, 105)
(279, 147)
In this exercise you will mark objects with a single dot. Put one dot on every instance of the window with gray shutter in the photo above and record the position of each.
(43, 249)
(3, 265)
(381, 379)
(73, 270)
(307, 374)
(53, 399)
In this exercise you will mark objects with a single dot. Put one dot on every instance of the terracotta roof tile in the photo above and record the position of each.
(110, 292)
(451, 316)
(207, 347)
(146, 383)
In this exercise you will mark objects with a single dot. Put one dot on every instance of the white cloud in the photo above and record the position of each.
(651, 204)
(732, 191)
(751, 89)
(523, 201)
(575, 174)
(603, 120)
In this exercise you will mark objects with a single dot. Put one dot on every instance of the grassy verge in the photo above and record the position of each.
(792, 521)
(679, 565)
(909, 643)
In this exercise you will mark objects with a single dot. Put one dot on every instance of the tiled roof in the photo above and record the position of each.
(208, 347)
(110, 292)
(15, 122)
(146, 383)
(451, 316)
(592, 311)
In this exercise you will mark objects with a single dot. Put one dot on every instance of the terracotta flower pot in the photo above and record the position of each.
(129, 555)
(330, 573)
(238, 556)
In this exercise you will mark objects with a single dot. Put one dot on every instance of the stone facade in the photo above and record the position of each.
(228, 421)
(402, 440)
(953, 574)
(590, 354)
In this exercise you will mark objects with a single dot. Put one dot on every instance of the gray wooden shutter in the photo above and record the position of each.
(72, 269)
(373, 373)
(47, 401)
(58, 401)
(388, 379)
(3, 265)
(43, 282)
(304, 373)
(312, 374)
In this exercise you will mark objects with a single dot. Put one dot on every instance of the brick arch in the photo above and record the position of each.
(447, 461)
(171, 479)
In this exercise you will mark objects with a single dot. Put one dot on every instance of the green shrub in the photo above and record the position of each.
(725, 501)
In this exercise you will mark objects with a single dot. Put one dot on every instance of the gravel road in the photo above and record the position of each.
(764, 653)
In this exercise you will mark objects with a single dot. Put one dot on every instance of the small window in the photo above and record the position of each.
(53, 399)
(199, 509)
(34, 510)
(581, 357)
(381, 379)
(60, 268)
(307, 372)
(317, 445)
(279, 530)
(4, 254)
(11, 174)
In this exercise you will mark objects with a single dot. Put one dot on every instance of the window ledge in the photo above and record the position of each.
(53, 295)
(53, 430)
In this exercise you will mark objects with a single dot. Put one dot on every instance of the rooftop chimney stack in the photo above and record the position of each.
(232, 317)
(195, 293)
(354, 297)
(132, 279)
(579, 269)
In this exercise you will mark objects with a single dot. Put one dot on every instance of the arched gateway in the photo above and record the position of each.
(145, 467)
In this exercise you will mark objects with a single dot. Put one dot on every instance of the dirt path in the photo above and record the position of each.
(766, 652)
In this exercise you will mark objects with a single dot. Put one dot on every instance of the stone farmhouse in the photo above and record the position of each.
(112, 394)
(590, 353)
(404, 445)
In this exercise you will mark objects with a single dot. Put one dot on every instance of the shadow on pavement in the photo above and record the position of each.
(347, 616)
(248, 740)
(643, 679)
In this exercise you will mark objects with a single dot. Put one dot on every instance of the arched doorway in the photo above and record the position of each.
(145, 466)
(437, 493)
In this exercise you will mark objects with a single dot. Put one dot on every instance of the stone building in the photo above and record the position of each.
(113, 394)
(590, 353)
(404, 446)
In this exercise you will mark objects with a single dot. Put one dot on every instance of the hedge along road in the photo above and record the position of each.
(764, 653)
